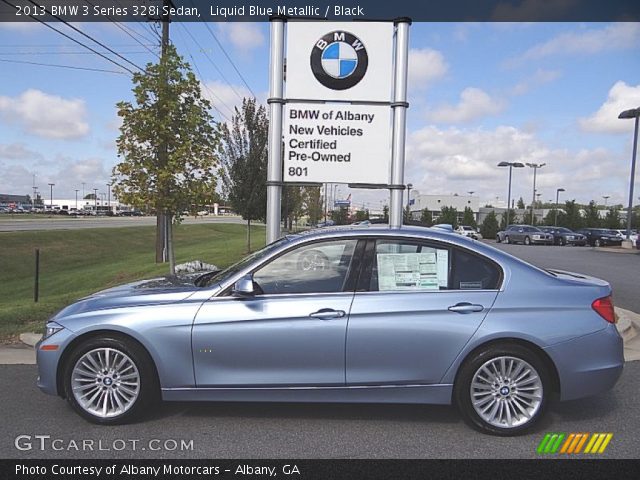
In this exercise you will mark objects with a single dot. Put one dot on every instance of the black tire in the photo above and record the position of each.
(462, 395)
(498, 239)
(527, 241)
(149, 391)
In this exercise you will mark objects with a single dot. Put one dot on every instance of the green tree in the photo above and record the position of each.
(520, 204)
(592, 215)
(612, 220)
(426, 218)
(243, 155)
(90, 196)
(361, 215)
(449, 215)
(313, 204)
(406, 214)
(340, 216)
(489, 227)
(469, 218)
(550, 217)
(513, 219)
(292, 205)
(570, 217)
(167, 144)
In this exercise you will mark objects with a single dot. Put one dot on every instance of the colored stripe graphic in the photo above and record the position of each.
(553, 443)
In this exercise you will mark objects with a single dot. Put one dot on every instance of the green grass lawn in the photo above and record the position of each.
(75, 263)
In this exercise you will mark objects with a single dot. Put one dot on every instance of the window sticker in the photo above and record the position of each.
(411, 271)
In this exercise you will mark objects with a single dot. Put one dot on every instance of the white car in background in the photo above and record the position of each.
(468, 231)
(623, 234)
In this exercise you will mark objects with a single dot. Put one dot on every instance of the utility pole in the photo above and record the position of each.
(162, 219)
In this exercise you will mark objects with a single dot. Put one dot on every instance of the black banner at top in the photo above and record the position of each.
(336, 10)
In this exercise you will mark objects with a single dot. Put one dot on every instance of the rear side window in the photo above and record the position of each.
(419, 266)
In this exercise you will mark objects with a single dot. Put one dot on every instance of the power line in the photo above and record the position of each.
(89, 37)
(65, 53)
(73, 39)
(212, 63)
(125, 30)
(226, 54)
(61, 66)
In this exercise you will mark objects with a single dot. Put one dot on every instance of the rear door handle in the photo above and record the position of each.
(465, 307)
(327, 314)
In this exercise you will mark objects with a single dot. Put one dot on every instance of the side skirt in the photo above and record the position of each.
(426, 394)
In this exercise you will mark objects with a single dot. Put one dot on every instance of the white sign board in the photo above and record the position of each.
(348, 61)
(337, 143)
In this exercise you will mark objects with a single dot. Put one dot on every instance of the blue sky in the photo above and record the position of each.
(479, 94)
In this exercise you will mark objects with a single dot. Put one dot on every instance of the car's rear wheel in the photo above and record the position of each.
(507, 239)
(502, 389)
(563, 242)
(527, 241)
(110, 380)
(498, 240)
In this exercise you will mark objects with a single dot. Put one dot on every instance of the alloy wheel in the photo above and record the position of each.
(105, 382)
(506, 392)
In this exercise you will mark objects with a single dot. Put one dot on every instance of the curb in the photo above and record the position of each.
(628, 251)
(30, 339)
(628, 323)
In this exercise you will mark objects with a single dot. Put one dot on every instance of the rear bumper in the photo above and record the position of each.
(590, 364)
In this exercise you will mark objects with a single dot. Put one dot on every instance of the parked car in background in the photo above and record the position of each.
(326, 223)
(527, 235)
(468, 231)
(406, 315)
(500, 234)
(564, 236)
(622, 233)
(601, 237)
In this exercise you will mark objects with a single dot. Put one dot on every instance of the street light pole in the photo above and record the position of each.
(606, 197)
(634, 113)
(51, 185)
(555, 221)
(109, 197)
(510, 165)
(95, 200)
(76, 200)
(535, 167)
(409, 187)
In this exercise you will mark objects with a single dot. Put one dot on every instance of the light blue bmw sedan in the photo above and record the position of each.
(373, 314)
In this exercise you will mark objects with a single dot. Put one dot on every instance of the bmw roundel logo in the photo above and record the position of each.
(339, 60)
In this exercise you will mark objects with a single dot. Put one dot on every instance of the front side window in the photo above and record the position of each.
(417, 266)
(315, 268)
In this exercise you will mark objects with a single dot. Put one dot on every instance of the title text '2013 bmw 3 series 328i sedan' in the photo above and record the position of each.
(378, 315)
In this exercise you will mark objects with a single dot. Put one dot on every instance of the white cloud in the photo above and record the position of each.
(17, 151)
(456, 160)
(244, 36)
(45, 115)
(226, 97)
(539, 77)
(621, 97)
(615, 36)
(425, 66)
(474, 103)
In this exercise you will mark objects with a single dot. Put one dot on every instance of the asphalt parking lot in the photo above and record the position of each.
(331, 431)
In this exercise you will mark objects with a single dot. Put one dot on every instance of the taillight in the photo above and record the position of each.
(604, 307)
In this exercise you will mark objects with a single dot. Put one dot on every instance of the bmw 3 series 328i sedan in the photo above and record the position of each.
(379, 315)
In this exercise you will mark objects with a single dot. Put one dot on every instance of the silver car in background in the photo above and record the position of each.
(379, 315)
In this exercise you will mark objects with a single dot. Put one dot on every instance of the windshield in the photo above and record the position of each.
(222, 275)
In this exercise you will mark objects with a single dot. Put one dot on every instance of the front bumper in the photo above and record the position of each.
(48, 360)
(542, 241)
(590, 364)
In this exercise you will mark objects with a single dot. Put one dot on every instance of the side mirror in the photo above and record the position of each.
(244, 287)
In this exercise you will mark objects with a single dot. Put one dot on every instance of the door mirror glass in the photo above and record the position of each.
(244, 287)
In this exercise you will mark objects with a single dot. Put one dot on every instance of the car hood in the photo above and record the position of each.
(153, 291)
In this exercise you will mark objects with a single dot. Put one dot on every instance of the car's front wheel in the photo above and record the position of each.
(502, 389)
(507, 239)
(597, 243)
(527, 241)
(110, 380)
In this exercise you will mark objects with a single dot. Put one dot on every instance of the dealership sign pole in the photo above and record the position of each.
(335, 115)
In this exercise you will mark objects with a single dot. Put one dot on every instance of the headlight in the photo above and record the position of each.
(50, 329)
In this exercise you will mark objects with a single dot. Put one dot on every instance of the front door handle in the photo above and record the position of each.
(465, 307)
(327, 314)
